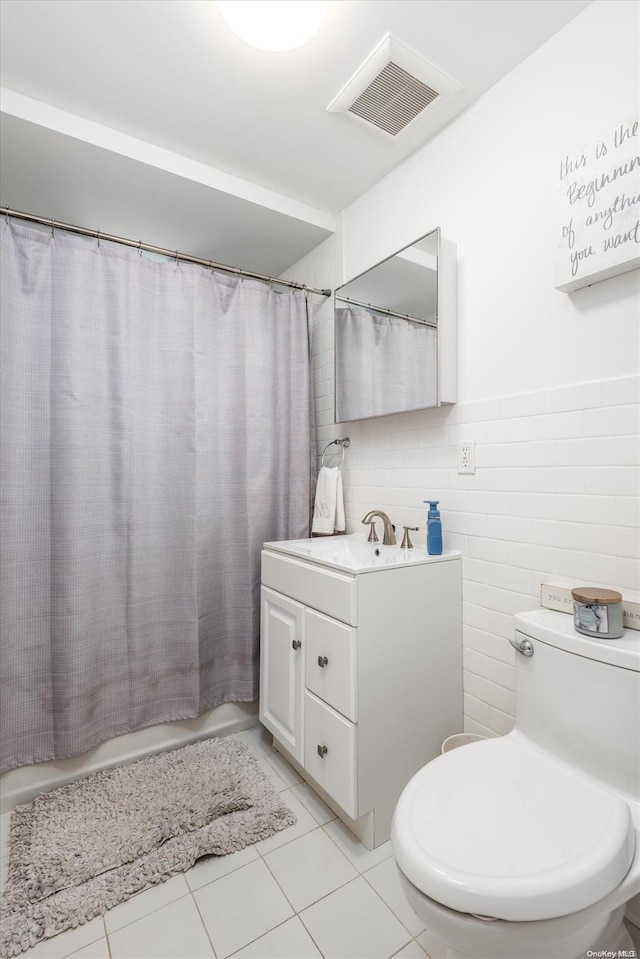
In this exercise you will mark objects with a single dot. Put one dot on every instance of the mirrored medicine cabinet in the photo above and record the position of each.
(395, 333)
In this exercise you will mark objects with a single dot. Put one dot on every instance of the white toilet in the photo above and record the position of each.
(528, 846)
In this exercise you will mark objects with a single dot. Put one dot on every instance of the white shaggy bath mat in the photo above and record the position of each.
(80, 850)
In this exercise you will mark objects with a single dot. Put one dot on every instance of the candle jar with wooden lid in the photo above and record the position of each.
(597, 612)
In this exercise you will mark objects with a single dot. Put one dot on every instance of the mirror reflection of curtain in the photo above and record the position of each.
(383, 364)
(155, 432)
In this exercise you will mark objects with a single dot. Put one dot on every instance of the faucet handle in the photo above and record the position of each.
(406, 539)
(373, 536)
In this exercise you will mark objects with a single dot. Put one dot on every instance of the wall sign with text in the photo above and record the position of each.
(597, 190)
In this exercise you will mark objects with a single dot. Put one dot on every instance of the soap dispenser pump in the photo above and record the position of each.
(434, 529)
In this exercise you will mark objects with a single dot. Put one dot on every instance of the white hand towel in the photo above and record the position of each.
(328, 512)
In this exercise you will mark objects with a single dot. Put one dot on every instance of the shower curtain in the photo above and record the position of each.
(384, 364)
(155, 431)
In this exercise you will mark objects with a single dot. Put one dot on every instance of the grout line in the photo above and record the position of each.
(414, 939)
(310, 934)
(389, 907)
(206, 931)
(295, 911)
(277, 926)
(315, 901)
(151, 912)
(67, 955)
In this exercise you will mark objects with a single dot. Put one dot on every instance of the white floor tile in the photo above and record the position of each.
(311, 801)
(288, 941)
(258, 739)
(361, 857)
(284, 769)
(305, 824)
(354, 923)
(385, 879)
(96, 950)
(148, 901)
(309, 868)
(210, 868)
(241, 907)
(272, 775)
(174, 932)
(68, 942)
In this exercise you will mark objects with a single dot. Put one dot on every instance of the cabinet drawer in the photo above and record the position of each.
(330, 662)
(329, 733)
(323, 589)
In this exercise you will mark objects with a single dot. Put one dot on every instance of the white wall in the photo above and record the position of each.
(487, 181)
(548, 382)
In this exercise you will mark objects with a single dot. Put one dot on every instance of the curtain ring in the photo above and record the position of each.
(53, 226)
(139, 247)
(98, 237)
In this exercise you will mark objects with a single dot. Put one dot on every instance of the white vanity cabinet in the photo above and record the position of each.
(361, 675)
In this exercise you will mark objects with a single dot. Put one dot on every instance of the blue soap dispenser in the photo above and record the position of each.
(434, 528)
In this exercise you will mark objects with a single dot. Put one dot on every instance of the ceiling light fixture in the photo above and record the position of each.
(274, 26)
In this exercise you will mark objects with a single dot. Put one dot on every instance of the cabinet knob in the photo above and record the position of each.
(296, 643)
(322, 661)
(322, 751)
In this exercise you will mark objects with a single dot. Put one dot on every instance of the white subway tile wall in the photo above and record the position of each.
(554, 497)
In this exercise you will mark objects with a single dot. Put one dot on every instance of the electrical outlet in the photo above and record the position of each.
(466, 457)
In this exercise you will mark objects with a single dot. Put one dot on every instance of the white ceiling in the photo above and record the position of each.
(201, 143)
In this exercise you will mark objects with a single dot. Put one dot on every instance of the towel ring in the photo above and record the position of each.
(343, 444)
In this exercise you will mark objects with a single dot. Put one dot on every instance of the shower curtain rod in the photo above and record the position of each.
(385, 312)
(161, 251)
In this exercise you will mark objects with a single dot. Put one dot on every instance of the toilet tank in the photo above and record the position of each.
(578, 698)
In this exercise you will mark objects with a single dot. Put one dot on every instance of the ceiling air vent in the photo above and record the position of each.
(393, 99)
(393, 87)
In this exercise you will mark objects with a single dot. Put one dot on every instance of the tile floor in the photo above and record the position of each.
(309, 891)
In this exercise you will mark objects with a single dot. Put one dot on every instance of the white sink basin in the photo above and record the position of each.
(353, 554)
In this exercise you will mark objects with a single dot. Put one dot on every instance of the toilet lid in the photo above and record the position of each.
(499, 829)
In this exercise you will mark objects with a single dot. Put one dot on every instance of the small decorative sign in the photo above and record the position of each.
(597, 191)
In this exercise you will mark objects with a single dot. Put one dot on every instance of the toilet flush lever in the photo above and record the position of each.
(523, 646)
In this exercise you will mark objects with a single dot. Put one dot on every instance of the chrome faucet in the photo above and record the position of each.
(389, 538)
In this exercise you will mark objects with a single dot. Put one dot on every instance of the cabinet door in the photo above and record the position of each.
(282, 670)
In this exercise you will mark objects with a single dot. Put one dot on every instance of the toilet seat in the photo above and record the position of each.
(499, 829)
